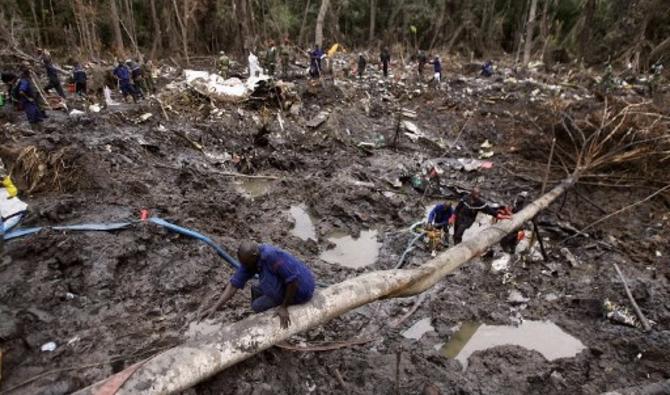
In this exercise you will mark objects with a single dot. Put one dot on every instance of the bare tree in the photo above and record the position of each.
(156, 22)
(116, 26)
(303, 25)
(318, 37)
(373, 15)
(530, 29)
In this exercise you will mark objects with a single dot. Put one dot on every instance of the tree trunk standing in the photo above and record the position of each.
(35, 32)
(439, 25)
(303, 25)
(530, 29)
(585, 33)
(116, 27)
(240, 11)
(373, 17)
(183, 26)
(155, 21)
(318, 35)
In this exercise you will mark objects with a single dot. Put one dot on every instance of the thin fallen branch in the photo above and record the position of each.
(411, 311)
(621, 210)
(643, 320)
(325, 346)
(185, 365)
(240, 175)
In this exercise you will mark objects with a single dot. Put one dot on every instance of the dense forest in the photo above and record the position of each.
(638, 31)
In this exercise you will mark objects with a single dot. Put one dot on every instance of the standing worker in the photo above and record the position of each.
(362, 62)
(422, 59)
(223, 64)
(28, 100)
(148, 75)
(79, 77)
(123, 76)
(52, 74)
(285, 57)
(315, 62)
(437, 70)
(509, 242)
(137, 76)
(466, 213)
(271, 58)
(385, 59)
(283, 280)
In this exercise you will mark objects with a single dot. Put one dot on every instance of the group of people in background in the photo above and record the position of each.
(23, 93)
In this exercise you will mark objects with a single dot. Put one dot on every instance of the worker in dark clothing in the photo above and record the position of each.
(385, 59)
(52, 75)
(137, 77)
(509, 242)
(422, 59)
(466, 212)
(122, 74)
(11, 100)
(487, 69)
(362, 62)
(440, 216)
(315, 58)
(437, 70)
(25, 91)
(283, 280)
(79, 77)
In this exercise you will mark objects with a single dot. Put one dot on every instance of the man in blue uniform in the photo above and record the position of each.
(123, 75)
(315, 62)
(28, 100)
(52, 76)
(283, 280)
(79, 77)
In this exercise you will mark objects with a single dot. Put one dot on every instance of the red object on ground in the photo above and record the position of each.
(521, 235)
(70, 88)
(144, 214)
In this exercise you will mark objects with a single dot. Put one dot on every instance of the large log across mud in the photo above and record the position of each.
(183, 366)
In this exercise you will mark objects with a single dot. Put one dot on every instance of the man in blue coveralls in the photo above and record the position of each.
(122, 74)
(283, 280)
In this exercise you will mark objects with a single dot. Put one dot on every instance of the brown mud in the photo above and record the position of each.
(110, 299)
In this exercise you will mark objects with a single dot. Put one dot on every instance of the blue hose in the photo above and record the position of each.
(193, 234)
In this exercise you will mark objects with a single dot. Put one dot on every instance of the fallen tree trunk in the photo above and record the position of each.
(183, 366)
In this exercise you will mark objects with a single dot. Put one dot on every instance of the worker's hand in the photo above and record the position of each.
(452, 219)
(284, 319)
(520, 235)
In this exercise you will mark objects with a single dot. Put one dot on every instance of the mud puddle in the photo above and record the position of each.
(253, 187)
(544, 337)
(304, 223)
(350, 252)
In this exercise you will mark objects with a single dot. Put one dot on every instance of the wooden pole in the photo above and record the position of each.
(183, 366)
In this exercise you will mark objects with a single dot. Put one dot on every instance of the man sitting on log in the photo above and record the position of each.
(283, 280)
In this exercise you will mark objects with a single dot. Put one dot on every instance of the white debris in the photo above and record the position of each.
(48, 347)
(144, 117)
(501, 264)
(515, 297)
(214, 86)
(108, 97)
(76, 113)
(95, 107)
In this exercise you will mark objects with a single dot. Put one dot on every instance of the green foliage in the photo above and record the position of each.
(485, 27)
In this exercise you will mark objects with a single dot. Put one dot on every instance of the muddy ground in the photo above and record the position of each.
(110, 299)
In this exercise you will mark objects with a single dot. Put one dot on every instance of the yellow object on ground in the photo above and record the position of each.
(10, 187)
(336, 47)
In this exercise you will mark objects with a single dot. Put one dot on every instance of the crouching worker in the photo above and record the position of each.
(439, 218)
(466, 213)
(283, 280)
